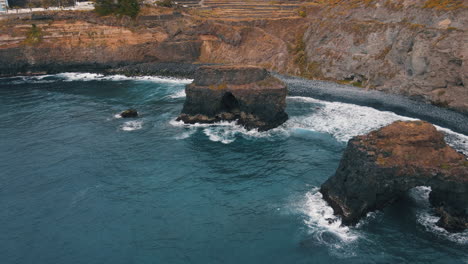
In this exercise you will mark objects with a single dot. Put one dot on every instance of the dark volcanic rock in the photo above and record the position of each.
(175, 69)
(129, 113)
(244, 93)
(378, 168)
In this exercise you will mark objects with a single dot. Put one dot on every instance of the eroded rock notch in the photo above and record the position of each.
(247, 94)
(378, 168)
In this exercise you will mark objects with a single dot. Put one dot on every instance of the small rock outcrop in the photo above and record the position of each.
(129, 113)
(378, 168)
(247, 94)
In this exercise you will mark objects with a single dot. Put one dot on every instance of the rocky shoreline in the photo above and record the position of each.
(399, 104)
(297, 86)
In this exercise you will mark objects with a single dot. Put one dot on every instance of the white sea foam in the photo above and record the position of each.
(456, 140)
(185, 134)
(80, 76)
(326, 228)
(179, 94)
(132, 125)
(426, 218)
(227, 132)
(340, 120)
(31, 79)
(77, 76)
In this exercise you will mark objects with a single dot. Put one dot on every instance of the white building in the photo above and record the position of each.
(3, 5)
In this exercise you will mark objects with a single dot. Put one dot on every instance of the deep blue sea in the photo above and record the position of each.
(80, 185)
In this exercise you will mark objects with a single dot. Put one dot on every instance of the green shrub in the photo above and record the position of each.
(129, 8)
(34, 35)
(165, 3)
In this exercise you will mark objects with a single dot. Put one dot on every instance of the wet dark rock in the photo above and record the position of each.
(129, 113)
(186, 70)
(247, 94)
(380, 167)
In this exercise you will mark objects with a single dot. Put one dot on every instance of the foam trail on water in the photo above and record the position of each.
(132, 125)
(186, 134)
(426, 218)
(30, 79)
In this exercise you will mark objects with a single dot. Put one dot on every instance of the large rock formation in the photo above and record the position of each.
(380, 167)
(247, 94)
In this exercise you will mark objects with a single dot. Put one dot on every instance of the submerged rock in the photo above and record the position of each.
(247, 94)
(378, 168)
(129, 113)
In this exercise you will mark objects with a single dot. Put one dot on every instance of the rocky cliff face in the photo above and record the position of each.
(83, 41)
(411, 47)
(378, 168)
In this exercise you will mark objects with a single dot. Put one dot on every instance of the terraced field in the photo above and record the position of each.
(248, 9)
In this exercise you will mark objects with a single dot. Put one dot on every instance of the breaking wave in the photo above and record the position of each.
(227, 132)
(325, 228)
(340, 120)
(83, 77)
(179, 94)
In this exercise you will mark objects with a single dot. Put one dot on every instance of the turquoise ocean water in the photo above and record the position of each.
(80, 185)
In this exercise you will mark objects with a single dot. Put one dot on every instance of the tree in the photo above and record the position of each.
(129, 8)
(165, 3)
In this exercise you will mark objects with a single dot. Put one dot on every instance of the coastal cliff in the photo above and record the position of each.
(412, 47)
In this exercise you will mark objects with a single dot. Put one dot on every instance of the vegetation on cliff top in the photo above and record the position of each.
(165, 3)
(129, 8)
(307, 69)
(445, 4)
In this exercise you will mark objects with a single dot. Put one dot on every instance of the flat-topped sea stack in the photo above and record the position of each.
(380, 167)
(247, 94)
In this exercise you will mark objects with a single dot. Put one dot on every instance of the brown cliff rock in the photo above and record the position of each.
(378, 168)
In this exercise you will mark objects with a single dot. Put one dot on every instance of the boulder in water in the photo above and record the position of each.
(129, 113)
(380, 167)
